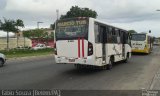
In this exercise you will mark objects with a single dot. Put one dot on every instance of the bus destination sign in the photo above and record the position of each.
(72, 23)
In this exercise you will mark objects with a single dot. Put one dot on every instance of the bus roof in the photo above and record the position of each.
(105, 23)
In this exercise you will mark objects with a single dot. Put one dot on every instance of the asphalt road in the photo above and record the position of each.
(43, 73)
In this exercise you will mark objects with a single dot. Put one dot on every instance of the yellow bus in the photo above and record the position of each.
(141, 43)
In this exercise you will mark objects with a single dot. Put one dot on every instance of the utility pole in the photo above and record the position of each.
(38, 24)
(57, 12)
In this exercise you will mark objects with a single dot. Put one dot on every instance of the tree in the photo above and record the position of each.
(27, 33)
(8, 26)
(36, 33)
(52, 26)
(19, 23)
(76, 11)
(52, 35)
(132, 31)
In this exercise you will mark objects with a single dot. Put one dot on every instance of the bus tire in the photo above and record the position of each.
(126, 60)
(103, 67)
(1, 62)
(110, 65)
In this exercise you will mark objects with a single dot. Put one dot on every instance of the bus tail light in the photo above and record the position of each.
(90, 49)
(55, 49)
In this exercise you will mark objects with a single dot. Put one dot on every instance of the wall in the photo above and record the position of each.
(48, 42)
(13, 43)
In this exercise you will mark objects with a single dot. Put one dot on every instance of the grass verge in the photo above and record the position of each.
(15, 53)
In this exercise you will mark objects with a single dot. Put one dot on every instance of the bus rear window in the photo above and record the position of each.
(138, 37)
(71, 30)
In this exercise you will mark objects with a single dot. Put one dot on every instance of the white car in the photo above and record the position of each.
(40, 46)
(2, 59)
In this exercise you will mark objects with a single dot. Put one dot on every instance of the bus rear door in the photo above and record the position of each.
(101, 34)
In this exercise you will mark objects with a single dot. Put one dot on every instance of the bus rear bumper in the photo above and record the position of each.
(82, 61)
(140, 51)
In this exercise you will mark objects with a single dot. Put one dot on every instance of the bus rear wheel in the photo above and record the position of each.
(127, 57)
(1, 62)
(110, 65)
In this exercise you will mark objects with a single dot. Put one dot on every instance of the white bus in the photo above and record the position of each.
(141, 43)
(90, 42)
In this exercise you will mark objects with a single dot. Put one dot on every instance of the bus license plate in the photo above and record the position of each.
(71, 60)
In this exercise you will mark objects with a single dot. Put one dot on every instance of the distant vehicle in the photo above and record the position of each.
(90, 42)
(141, 43)
(22, 47)
(2, 59)
(40, 46)
(156, 41)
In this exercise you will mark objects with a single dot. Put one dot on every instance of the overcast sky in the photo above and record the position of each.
(139, 15)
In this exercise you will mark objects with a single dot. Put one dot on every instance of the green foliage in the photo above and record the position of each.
(52, 26)
(132, 31)
(8, 25)
(27, 52)
(76, 11)
(19, 23)
(37, 33)
(45, 35)
(52, 35)
(27, 33)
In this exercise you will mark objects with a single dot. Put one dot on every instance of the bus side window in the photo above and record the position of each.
(117, 36)
(109, 39)
(114, 37)
(96, 30)
(107, 34)
(103, 34)
(126, 38)
(122, 37)
(100, 34)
